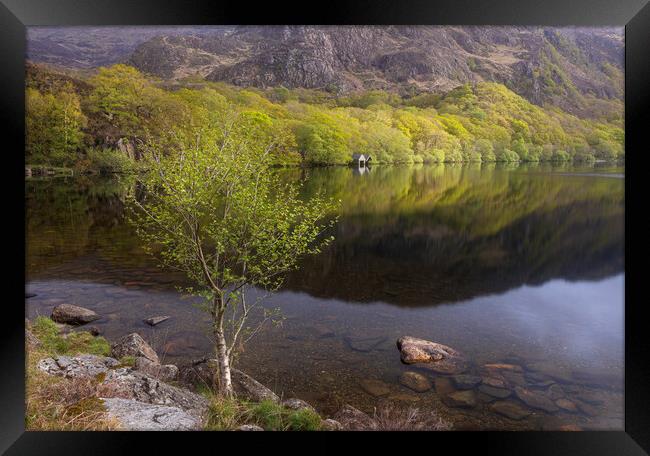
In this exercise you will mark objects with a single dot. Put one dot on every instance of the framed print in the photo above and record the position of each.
(382, 217)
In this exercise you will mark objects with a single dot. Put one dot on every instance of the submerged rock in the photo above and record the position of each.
(374, 387)
(140, 416)
(500, 393)
(444, 386)
(464, 381)
(566, 405)
(464, 398)
(250, 388)
(134, 345)
(77, 366)
(365, 344)
(510, 410)
(415, 381)
(73, 315)
(431, 355)
(535, 400)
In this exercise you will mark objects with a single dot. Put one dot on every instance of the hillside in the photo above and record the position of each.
(579, 70)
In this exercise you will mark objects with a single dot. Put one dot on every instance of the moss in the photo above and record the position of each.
(127, 361)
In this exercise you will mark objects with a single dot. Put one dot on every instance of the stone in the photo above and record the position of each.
(297, 404)
(535, 400)
(77, 366)
(30, 295)
(374, 387)
(251, 389)
(198, 372)
(153, 321)
(94, 330)
(570, 428)
(128, 383)
(134, 345)
(587, 409)
(510, 410)
(415, 381)
(444, 386)
(322, 331)
(514, 378)
(465, 381)
(503, 366)
(73, 315)
(431, 355)
(140, 416)
(566, 405)
(555, 392)
(499, 393)
(404, 397)
(590, 397)
(353, 419)
(366, 344)
(31, 340)
(165, 372)
(249, 427)
(557, 373)
(464, 399)
(331, 425)
(495, 382)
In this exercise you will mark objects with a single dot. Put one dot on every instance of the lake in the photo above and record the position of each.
(519, 265)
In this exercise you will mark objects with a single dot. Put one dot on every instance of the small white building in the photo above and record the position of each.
(360, 160)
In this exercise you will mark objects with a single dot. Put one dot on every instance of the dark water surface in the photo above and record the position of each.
(520, 265)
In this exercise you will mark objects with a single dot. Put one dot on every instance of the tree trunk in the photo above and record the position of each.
(225, 382)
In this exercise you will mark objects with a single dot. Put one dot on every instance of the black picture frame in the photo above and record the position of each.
(15, 15)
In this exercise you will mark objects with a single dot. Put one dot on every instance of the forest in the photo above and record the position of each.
(97, 121)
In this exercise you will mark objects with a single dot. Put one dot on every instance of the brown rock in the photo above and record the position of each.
(444, 386)
(566, 405)
(570, 427)
(465, 381)
(134, 345)
(415, 381)
(464, 399)
(364, 344)
(374, 387)
(500, 393)
(353, 419)
(510, 410)
(73, 315)
(431, 355)
(503, 366)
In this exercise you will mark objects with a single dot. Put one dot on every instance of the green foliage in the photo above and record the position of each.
(560, 156)
(274, 417)
(54, 123)
(110, 161)
(507, 155)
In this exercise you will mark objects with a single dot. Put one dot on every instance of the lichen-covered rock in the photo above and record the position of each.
(73, 315)
(431, 355)
(250, 388)
(77, 366)
(134, 345)
(140, 416)
(31, 340)
(166, 372)
(249, 427)
(127, 383)
(297, 404)
(331, 425)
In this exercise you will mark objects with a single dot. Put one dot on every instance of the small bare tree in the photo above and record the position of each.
(214, 209)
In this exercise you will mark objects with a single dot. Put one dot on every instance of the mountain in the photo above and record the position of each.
(566, 67)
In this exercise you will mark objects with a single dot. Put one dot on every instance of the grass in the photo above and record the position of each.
(55, 403)
(229, 413)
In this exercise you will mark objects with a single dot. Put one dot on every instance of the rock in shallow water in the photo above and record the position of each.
(535, 400)
(73, 315)
(374, 387)
(510, 410)
(431, 355)
(415, 381)
(140, 416)
(465, 399)
(499, 393)
(153, 321)
(365, 344)
(466, 381)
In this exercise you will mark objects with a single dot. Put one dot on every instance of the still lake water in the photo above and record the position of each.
(519, 265)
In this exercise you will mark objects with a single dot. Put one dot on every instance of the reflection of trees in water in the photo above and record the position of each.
(420, 236)
(411, 235)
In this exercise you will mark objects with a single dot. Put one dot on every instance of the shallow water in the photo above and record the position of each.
(519, 265)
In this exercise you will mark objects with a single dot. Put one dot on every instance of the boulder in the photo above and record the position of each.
(153, 321)
(133, 345)
(415, 381)
(297, 404)
(139, 416)
(127, 383)
(78, 366)
(464, 399)
(165, 372)
(431, 355)
(331, 425)
(444, 386)
(374, 387)
(510, 410)
(31, 340)
(353, 419)
(250, 388)
(94, 330)
(199, 372)
(535, 399)
(464, 381)
(73, 315)
(249, 427)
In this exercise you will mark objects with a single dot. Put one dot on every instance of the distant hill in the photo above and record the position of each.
(571, 68)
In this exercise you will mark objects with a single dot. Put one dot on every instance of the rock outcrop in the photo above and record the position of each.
(134, 345)
(164, 372)
(249, 388)
(77, 366)
(139, 416)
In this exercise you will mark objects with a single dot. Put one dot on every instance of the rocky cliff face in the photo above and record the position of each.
(566, 67)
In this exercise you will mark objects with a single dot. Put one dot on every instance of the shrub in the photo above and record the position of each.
(109, 161)
(560, 156)
(508, 156)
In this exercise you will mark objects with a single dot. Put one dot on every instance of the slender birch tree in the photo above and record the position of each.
(214, 209)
